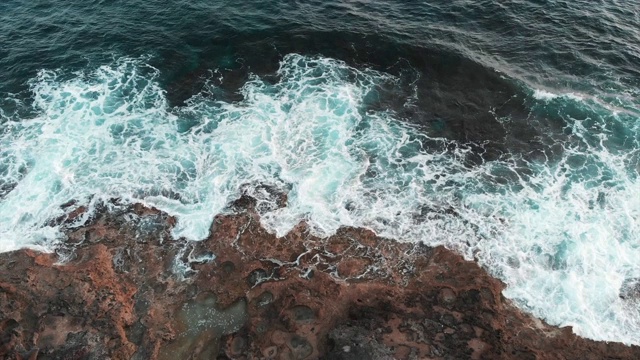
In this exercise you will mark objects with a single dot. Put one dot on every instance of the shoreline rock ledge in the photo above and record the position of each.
(125, 290)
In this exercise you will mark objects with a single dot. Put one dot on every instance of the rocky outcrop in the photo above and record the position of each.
(124, 290)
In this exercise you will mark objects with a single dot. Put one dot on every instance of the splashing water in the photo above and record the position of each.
(563, 234)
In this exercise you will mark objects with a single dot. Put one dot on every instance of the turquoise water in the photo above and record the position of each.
(509, 134)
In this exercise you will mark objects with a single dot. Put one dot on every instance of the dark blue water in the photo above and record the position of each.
(506, 130)
(574, 45)
(469, 55)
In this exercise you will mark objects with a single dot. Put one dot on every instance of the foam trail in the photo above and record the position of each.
(562, 234)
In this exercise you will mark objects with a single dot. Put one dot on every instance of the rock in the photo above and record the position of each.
(447, 296)
(300, 347)
(128, 292)
(303, 313)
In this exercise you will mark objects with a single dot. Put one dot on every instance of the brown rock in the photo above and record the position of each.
(352, 296)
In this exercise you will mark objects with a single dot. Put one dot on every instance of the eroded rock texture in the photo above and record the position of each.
(126, 291)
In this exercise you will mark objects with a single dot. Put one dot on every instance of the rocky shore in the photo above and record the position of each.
(122, 289)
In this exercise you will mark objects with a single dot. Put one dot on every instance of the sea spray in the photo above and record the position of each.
(561, 232)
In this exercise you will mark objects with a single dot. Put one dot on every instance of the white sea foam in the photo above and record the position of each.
(564, 236)
(541, 94)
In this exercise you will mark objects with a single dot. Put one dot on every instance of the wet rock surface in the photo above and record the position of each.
(126, 291)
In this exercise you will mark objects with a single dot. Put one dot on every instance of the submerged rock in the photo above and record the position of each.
(352, 296)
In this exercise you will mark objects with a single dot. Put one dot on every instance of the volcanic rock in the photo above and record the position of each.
(125, 290)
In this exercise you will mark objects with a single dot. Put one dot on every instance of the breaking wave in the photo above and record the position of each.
(562, 232)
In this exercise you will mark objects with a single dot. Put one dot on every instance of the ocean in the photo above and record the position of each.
(507, 131)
